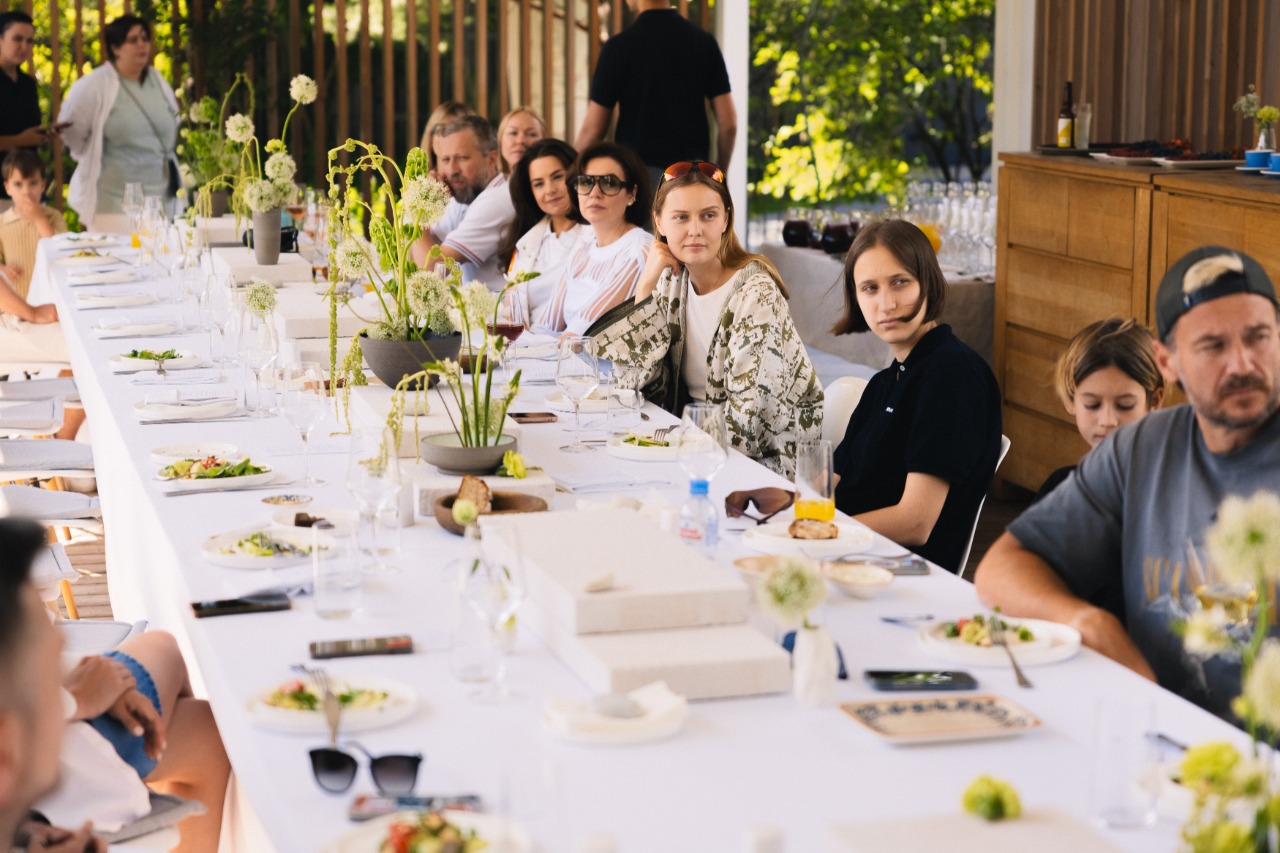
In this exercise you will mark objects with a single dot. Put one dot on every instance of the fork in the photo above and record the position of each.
(997, 637)
(332, 705)
(660, 434)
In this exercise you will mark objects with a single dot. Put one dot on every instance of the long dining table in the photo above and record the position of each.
(738, 770)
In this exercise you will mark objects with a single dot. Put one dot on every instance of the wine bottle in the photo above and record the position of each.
(1067, 120)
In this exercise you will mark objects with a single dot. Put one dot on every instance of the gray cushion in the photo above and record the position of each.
(52, 454)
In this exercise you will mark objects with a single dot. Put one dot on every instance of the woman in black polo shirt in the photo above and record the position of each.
(921, 448)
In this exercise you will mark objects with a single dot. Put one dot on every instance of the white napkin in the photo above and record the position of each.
(172, 411)
(111, 276)
(197, 376)
(37, 414)
(87, 238)
(124, 327)
(609, 481)
(118, 299)
(662, 708)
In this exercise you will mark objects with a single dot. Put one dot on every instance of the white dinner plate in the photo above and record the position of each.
(773, 538)
(942, 719)
(368, 836)
(638, 453)
(217, 484)
(88, 261)
(112, 276)
(400, 704)
(597, 402)
(113, 329)
(124, 364)
(220, 408)
(344, 520)
(1052, 643)
(538, 351)
(170, 453)
(212, 549)
(114, 300)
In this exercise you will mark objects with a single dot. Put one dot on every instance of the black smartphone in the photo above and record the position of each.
(401, 644)
(533, 417)
(248, 604)
(894, 679)
(367, 806)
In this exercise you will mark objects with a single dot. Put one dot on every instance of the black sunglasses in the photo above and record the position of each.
(335, 770)
(609, 184)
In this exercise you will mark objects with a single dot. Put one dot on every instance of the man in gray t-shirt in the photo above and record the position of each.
(1135, 501)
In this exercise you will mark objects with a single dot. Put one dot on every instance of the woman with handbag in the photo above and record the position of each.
(122, 125)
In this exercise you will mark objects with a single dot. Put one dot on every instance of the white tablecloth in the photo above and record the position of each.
(737, 764)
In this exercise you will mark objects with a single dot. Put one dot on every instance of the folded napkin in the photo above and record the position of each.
(188, 410)
(111, 276)
(609, 481)
(22, 454)
(40, 389)
(196, 376)
(121, 299)
(663, 712)
(126, 328)
(85, 237)
(36, 414)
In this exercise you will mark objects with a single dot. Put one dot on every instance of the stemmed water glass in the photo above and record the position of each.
(373, 479)
(494, 590)
(258, 349)
(577, 374)
(220, 305)
(131, 204)
(702, 446)
(303, 404)
(151, 229)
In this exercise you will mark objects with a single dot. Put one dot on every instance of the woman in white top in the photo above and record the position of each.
(710, 322)
(122, 125)
(546, 229)
(612, 193)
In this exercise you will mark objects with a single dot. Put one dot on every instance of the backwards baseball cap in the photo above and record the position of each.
(1205, 274)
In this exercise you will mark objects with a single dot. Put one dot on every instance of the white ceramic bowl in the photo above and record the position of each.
(859, 579)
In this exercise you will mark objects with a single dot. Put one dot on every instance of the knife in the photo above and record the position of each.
(177, 492)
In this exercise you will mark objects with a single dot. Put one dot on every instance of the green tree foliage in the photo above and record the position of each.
(839, 87)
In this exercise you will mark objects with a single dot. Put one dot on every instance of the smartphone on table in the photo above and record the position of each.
(916, 679)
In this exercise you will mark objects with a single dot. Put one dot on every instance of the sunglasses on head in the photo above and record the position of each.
(335, 770)
(609, 184)
(679, 170)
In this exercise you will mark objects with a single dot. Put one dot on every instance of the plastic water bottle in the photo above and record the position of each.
(699, 522)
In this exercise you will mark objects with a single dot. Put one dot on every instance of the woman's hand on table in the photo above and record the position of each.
(658, 259)
(142, 719)
(97, 683)
(44, 313)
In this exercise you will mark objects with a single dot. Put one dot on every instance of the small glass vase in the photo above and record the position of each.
(1266, 137)
(814, 667)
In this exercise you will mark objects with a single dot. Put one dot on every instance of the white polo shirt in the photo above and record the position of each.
(480, 232)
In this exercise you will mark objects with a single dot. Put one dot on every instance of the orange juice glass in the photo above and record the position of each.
(815, 485)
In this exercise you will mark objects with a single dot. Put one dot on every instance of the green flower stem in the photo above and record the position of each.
(1261, 626)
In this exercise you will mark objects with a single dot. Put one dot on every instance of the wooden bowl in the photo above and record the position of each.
(503, 503)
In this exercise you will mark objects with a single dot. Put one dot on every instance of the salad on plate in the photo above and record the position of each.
(210, 468)
(430, 832)
(976, 631)
(298, 695)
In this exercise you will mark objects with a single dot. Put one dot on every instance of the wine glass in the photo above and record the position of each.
(131, 204)
(494, 590)
(702, 446)
(220, 311)
(258, 349)
(296, 206)
(577, 374)
(373, 479)
(302, 402)
(170, 253)
(151, 226)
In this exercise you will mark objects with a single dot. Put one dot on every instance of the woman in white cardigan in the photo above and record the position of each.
(122, 128)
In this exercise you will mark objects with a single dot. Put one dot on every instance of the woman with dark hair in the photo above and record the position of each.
(710, 322)
(922, 445)
(123, 125)
(546, 229)
(611, 193)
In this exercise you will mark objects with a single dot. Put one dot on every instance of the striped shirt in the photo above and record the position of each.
(596, 279)
(18, 239)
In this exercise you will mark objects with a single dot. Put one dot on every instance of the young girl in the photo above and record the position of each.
(1107, 377)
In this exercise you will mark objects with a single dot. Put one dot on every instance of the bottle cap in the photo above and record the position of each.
(697, 487)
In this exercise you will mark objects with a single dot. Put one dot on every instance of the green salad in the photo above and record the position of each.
(298, 695)
(644, 441)
(261, 544)
(210, 468)
(152, 355)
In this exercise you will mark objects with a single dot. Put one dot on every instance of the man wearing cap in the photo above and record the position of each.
(1149, 489)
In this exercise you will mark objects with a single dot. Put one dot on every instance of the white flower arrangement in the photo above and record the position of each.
(792, 589)
(430, 301)
(264, 187)
(1244, 543)
(262, 195)
(1247, 104)
(424, 198)
(260, 297)
(1262, 686)
(240, 128)
(280, 167)
(352, 258)
(1206, 633)
(302, 89)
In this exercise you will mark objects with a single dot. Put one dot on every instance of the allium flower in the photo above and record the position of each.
(274, 146)
(239, 128)
(280, 167)
(204, 111)
(260, 297)
(991, 799)
(353, 257)
(1244, 543)
(1262, 685)
(479, 302)
(263, 195)
(791, 590)
(424, 199)
(464, 511)
(429, 300)
(1205, 634)
(302, 89)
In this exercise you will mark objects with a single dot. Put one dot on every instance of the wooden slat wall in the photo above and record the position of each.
(1157, 69)
(493, 59)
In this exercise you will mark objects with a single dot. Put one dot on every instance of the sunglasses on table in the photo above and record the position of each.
(684, 167)
(768, 502)
(335, 770)
(609, 184)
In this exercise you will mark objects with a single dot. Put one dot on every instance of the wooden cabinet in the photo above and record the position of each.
(1079, 241)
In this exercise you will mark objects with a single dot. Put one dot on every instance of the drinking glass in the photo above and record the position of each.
(702, 446)
(815, 485)
(302, 402)
(151, 226)
(170, 254)
(1084, 125)
(625, 399)
(494, 590)
(577, 374)
(336, 581)
(296, 205)
(258, 349)
(132, 207)
(1124, 764)
(373, 479)
(220, 309)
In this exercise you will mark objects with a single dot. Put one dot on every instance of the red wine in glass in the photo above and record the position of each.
(795, 232)
(508, 329)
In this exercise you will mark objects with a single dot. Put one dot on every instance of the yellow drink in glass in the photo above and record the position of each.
(134, 242)
(819, 509)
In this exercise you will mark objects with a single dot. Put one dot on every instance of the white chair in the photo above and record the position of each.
(1004, 450)
(30, 417)
(63, 387)
(840, 399)
(50, 507)
(23, 459)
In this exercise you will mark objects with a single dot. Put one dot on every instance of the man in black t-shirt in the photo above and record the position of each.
(20, 125)
(660, 73)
